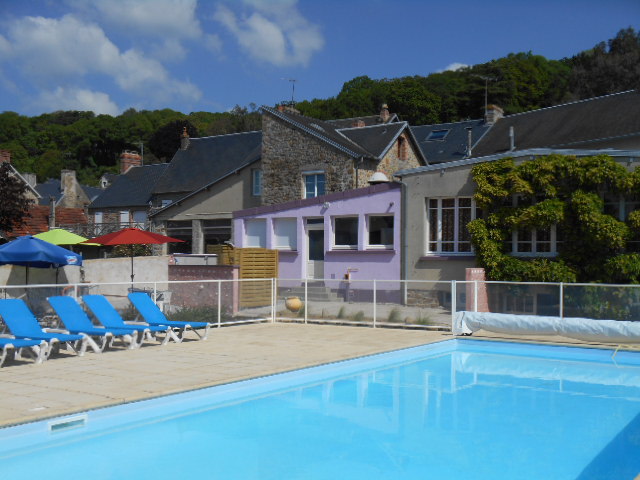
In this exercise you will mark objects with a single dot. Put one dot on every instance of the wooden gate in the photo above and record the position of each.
(254, 263)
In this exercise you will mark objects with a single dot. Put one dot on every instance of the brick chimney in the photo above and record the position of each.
(184, 139)
(358, 123)
(5, 156)
(494, 113)
(129, 159)
(384, 113)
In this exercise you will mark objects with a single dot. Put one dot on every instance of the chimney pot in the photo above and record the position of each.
(494, 113)
(5, 156)
(384, 113)
(184, 139)
(129, 159)
(358, 123)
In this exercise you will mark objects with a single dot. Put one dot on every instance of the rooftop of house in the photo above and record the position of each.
(367, 121)
(570, 125)
(208, 159)
(38, 221)
(132, 189)
(368, 142)
(52, 188)
(446, 142)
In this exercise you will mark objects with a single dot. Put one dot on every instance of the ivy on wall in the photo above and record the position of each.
(559, 190)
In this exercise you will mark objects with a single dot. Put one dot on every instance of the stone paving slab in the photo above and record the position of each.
(68, 384)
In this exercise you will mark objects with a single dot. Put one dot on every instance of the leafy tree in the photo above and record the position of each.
(165, 141)
(14, 203)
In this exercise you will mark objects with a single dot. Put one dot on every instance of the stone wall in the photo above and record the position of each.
(287, 153)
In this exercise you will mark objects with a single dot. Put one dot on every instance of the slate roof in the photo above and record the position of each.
(133, 189)
(207, 160)
(39, 220)
(368, 121)
(571, 125)
(52, 188)
(368, 142)
(454, 145)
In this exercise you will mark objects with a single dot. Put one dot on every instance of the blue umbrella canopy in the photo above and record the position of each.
(33, 252)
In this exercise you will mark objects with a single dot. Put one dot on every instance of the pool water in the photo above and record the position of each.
(460, 409)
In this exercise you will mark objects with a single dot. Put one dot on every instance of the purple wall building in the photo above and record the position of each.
(355, 233)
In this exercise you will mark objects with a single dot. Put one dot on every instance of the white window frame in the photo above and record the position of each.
(249, 233)
(456, 235)
(97, 217)
(313, 173)
(533, 240)
(382, 246)
(125, 218)
(338, 246)
(292, 243)
(256, 182)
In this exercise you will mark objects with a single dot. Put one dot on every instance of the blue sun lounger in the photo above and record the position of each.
(154, 316)
(76, 320)
(24, 325)
(110, 318)
(37, 348)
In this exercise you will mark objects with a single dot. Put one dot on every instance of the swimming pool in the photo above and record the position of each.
(460, 409)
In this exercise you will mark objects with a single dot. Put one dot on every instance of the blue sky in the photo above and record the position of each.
(209, 55)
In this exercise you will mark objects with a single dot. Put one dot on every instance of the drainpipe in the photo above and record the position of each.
(404, 247)
(356, 161)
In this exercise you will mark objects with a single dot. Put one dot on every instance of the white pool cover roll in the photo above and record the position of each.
(614, 331)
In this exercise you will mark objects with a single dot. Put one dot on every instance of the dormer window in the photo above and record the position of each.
(437, 135)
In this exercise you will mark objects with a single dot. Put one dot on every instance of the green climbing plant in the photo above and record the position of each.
(565, 191)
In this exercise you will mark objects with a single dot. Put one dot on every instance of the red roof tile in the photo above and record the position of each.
(39, 220)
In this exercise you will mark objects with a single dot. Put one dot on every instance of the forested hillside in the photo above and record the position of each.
(91, 144)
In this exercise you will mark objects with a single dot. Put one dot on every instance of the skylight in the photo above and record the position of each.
(437, 135)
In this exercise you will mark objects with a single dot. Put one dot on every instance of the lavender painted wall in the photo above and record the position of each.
(364, 262)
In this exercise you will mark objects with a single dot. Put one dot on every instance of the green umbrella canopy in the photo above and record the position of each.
(60, 236)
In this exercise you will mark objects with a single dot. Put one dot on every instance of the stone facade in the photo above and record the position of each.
(287, 153)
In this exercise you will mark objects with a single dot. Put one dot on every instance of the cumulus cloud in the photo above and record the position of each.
(452, 67)
(274, 32)
(77, 99)
(162, 18)
(66, 49)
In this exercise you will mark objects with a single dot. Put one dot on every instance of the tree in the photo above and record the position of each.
(14, 203)
(165, 141)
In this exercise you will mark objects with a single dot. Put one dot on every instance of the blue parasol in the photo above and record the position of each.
(29, 251)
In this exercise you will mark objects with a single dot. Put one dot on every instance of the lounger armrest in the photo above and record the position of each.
(135, 322)
(55, 330)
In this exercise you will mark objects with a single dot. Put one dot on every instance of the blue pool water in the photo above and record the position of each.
(460, 409)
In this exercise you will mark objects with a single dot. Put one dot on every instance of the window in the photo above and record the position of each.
(256, 232)
(402, 149)
(97, 217)
(345, 231)
(256, 182)
(447, 220)
(313, 184)
(437, 135)
(381, 231)
(285, 232)
(140, 218)
(532, 241)
(124, 218)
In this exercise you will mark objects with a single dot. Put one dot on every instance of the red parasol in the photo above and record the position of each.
(132, 236)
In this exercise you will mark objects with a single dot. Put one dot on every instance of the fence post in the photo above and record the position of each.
(219, 302)
(306, 302)
(273, 299)
(374, 304)
(75, 290)
(453, 302)
(155, 292)
(561, 300)
(475, 295)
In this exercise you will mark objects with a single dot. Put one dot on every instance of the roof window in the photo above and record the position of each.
(437, 135)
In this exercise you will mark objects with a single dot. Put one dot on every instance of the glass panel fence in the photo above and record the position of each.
(606, 302)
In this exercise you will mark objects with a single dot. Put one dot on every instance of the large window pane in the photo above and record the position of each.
(381, 230)
(256, 233)
(346, 232)
(314, 185)
(285, 233)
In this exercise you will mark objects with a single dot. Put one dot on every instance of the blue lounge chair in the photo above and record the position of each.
(110, 318)
(76, 320)
(24, 325)
(38, 348)
(154, 316)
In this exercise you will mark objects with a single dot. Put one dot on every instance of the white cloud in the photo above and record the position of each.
(213, 43)
(275, 32)
(77, 99)
(452, 67)
(67, 49)
(160, 18)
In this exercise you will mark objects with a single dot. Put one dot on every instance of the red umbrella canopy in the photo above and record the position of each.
(133, 236)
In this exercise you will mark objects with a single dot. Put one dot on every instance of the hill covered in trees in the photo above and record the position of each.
(91, 144)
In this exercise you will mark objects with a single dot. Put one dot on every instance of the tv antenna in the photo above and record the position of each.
(486, 79)
(292, 81)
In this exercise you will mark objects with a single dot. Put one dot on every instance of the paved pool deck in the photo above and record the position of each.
(68, 384)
